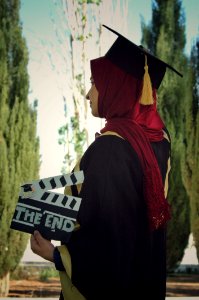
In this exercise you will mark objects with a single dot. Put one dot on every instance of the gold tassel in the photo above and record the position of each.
(147, 93)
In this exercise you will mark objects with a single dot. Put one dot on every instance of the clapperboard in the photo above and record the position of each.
(52, 214)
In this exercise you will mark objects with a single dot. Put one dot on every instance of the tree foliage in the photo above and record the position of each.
(165, 37)
(19, 146)
(190, 162)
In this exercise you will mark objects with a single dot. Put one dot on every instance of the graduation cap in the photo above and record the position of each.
(140, 63)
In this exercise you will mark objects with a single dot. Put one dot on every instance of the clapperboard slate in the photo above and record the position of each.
(52, 214)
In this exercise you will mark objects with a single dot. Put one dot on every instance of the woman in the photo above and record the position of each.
(119, 250)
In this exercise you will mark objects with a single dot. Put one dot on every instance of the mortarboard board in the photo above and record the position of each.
(132, 59)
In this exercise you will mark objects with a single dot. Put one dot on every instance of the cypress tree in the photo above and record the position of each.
(165, 36)
(190, 163)
(19, 146)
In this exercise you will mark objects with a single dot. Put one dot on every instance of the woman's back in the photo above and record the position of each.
(113, 254)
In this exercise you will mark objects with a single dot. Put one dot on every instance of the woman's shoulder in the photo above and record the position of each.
(109, 148)
(108, 144)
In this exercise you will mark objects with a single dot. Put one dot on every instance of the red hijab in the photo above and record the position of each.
(118, 103)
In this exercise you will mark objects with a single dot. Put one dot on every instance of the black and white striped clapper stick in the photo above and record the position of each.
(53, 214)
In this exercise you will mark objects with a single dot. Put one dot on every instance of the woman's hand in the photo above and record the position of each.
(41, 246)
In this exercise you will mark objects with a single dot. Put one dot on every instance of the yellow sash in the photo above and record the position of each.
(69, 291)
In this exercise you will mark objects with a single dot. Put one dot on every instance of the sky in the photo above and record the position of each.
(42, 26)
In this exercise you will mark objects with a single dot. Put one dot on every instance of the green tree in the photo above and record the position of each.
(165, 37)
(19, 146)
(190, 163)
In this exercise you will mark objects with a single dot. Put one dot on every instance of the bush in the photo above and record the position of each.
(47, 273)
(35, 272)
(22, 272)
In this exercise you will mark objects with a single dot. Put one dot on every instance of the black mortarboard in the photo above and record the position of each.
(131, 58)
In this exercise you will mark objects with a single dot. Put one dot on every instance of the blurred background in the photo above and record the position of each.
(45, 124)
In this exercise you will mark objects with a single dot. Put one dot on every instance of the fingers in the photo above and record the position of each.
(34, 244)
(41, 246)
(38, 237)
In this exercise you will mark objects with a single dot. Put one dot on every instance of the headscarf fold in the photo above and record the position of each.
(118, 103)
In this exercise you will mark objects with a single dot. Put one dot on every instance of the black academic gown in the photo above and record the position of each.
(114, 255)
